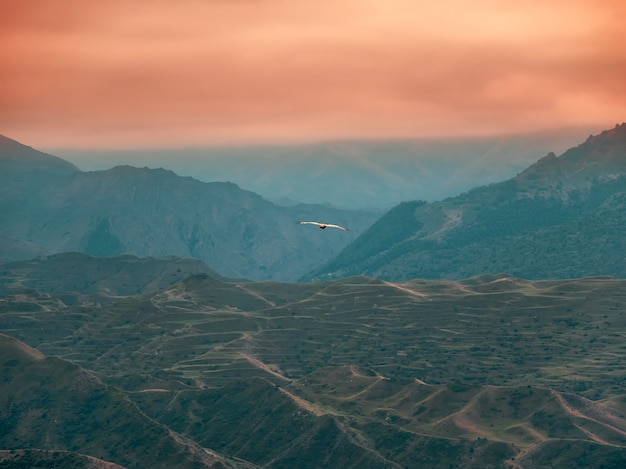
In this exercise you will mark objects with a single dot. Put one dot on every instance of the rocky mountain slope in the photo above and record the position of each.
(563, 217)
(486, 372)
(48, 206)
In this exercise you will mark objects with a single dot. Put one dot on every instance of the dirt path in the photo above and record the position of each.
(407, 290)
(355, 371)
(259, 364)
(302, 403)
(518, 462)
(297, 400)
(256, 295)
(577, 413)
(245, 337)
(458, 286)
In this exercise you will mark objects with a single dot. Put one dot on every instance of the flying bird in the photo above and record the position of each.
(323, 226)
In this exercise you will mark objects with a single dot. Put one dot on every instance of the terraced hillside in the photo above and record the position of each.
(491, 371)
(51, 404)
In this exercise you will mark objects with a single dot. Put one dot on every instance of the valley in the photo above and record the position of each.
(151, 320)
(490, 371)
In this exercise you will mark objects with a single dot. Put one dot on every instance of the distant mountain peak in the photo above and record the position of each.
(6, 140)
(600, 156)
(17, 157)
(616, 133)
(607, 148)
(549, 159)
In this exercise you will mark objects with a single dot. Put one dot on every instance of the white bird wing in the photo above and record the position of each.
(325, 225)
(337, 226)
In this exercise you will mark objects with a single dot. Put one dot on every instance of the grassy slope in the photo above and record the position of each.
(280, 374)
(52, 404)
(560, 218)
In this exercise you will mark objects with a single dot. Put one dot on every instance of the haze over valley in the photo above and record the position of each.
(353, 174)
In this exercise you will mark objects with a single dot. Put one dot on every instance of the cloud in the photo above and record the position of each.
(194, 72)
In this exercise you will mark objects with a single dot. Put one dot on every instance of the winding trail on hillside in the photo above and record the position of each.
(405, 289)
(526, 451)
(462, 288)
(356, 372)
(577, 413)
(303, 404)
(259, 364)
(522, 455)
(256, 295)
(245, 337)
(306, 405)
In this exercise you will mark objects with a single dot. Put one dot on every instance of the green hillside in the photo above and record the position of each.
(49, 207)
(561, 218)
(490, 371)
(51, 404)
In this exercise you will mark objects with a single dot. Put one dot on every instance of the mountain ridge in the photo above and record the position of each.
(88, 275)
(562, 217)
(13, 154)
(154, 212)
(355, 174)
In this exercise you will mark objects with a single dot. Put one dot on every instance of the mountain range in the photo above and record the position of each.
(562, 217)
(485, 372)
(49, 206)
(354, 174)
(131, 352)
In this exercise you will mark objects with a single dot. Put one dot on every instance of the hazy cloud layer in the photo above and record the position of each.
(152, 73)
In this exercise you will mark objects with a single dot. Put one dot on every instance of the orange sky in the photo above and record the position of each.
(153, 73)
